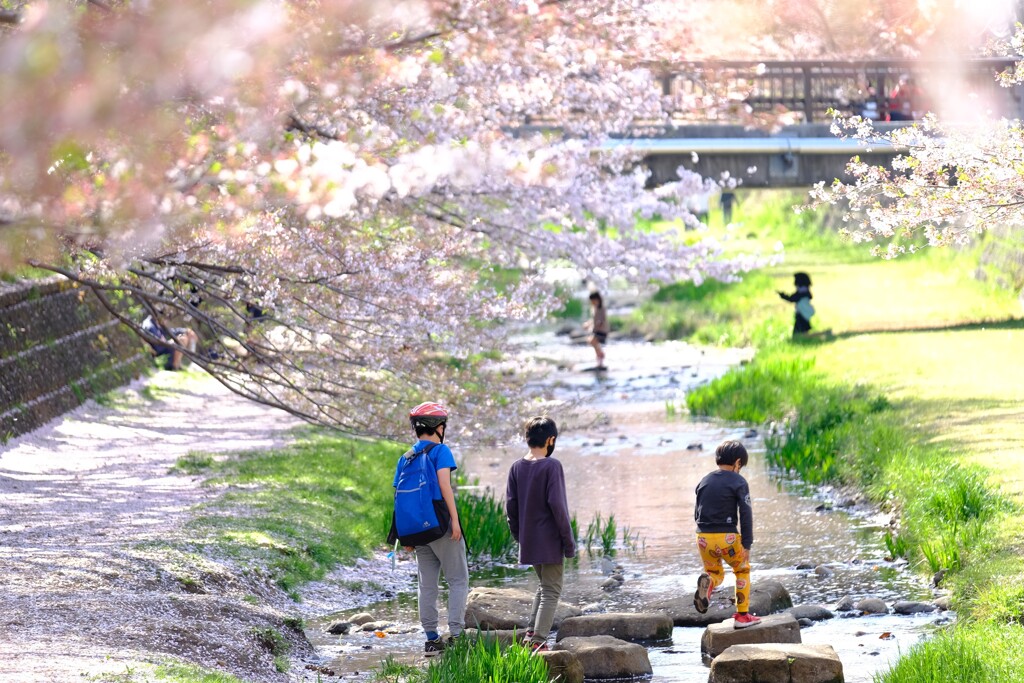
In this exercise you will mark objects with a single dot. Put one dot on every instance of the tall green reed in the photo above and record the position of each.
(485, 527)
(600, 535)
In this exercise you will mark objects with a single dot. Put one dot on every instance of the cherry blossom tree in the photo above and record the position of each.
(352, 201)
(957, 175)
(823, 29)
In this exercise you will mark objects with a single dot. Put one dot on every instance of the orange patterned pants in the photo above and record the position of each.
(714, 548)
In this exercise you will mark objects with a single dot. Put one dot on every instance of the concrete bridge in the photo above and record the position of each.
(893, 93)
(796, 156)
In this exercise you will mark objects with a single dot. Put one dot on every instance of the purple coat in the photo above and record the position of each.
(537, 511)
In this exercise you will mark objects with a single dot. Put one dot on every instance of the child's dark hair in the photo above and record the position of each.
(728, 452)
(425, 430)
(596, 296)
(538, 430)
(801, 279)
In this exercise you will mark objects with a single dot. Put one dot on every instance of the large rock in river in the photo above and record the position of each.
(766, 597)
(777, 663)
(811, 612)
(636, 628)
(493, 609)
(607, 657)
(777, 628)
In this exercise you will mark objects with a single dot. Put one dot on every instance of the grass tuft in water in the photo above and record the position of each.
(470, 660)
(485, 527)
(393, 671)
(600, 535)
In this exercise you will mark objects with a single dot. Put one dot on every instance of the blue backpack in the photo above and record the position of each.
(420, 514)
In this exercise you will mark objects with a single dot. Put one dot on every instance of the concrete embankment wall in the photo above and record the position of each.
(58, 347)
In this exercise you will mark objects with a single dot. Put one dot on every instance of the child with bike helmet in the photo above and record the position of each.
(448, 553)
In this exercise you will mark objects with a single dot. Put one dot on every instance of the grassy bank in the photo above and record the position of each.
(916, 398)
(297, 511)
(322, 502)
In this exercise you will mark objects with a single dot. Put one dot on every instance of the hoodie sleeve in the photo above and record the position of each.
(559, 506)
(746, 514)
(512, 503)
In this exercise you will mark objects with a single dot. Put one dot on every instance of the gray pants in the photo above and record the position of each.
(545, 602)
(448, 556)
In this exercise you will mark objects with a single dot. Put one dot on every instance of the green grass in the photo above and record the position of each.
(171, 672)
(299, 511)
(470, 661)
(19, 274)
(485, 528)
(828, 431)
(319, 503)
(853, 292)
(602, 535)
(984, 654)
(393, 671)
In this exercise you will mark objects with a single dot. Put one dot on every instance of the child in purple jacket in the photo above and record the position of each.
(538, 515)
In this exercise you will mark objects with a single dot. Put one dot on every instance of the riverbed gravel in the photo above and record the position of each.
(91, 511)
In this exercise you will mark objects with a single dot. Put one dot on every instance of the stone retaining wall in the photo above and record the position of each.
(58, 347)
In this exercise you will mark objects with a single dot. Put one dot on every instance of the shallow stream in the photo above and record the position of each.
(626, 454)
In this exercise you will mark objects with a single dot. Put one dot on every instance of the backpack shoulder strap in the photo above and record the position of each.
(412, 453)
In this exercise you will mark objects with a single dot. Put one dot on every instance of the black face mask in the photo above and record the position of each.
(551, 449)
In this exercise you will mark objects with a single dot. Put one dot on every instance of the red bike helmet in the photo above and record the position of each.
(428, 415)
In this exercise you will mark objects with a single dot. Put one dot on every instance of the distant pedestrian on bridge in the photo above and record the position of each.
(802, 298)
(727, 200)
(906, 101)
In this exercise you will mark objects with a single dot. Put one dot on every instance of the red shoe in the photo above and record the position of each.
(539, 647)
(743, 620)
(702, 596)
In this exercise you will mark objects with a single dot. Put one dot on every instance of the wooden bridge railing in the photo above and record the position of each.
(872, 88)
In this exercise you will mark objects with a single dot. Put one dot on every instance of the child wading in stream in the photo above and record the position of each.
(598, 327)
(723, 498)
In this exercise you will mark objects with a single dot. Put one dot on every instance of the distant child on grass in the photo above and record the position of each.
(538, 516)
(723, 498)
(802, 298)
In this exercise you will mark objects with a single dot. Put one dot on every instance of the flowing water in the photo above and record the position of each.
(626, 454)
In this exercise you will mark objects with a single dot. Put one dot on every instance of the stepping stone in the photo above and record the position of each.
(777, 628)
(563, 666)
(636, 628)
(766, 597)
(495, 609)
(777, 663)
(608, 657)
